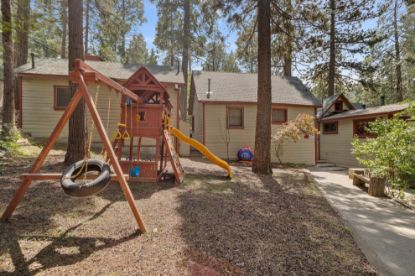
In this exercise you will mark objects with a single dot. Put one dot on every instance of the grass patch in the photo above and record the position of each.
(16, 145)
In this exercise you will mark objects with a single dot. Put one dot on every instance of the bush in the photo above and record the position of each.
(303, 125)
(391, 153)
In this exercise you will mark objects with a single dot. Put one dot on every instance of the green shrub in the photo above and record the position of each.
(391, 153)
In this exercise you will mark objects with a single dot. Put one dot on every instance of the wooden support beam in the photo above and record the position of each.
(139, 148)
(57, 176)
(43, 154)
(111, 154)
(88, 70)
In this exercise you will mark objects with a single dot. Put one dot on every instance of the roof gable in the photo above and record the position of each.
(330, 101)
(142, 79)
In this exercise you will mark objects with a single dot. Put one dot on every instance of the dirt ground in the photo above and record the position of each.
(207, 226)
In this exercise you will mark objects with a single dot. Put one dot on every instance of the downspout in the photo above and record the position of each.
(203, 124)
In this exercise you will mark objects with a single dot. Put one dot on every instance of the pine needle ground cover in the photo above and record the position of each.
(207, 226)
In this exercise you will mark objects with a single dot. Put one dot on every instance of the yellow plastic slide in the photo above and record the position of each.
(202, 149)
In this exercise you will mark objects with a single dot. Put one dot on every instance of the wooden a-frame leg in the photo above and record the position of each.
(43, 154)
(112, 157)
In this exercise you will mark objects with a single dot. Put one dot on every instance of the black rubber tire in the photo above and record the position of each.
(95, 186)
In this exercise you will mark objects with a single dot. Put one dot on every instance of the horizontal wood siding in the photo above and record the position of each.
(39, 116)
(215, 123)
(337, 148)
(198, 123)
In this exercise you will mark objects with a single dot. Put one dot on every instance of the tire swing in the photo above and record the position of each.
(89, 188)
(85, 167)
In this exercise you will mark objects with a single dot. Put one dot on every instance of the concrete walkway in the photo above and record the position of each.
(383, 229)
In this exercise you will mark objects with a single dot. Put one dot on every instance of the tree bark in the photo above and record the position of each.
(262, 160)
(64, 18)
(22, 32)
(123, 59)
(87, 5)
(77, 135)
(9, 116)
(398, 66)
(332, 62)
(289, 40)
(185, 55)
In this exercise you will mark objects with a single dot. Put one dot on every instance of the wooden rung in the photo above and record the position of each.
(55, 176)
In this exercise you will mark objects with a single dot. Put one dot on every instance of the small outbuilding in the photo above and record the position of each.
(340, 121)
(224, 106)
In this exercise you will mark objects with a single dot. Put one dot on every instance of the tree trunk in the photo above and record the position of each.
(398, 66)
(262, 160)
(86, 27)
(64, 18)
(376, 187)
(185, 55)
(22, 33)
(332, 62)
(77, 134)
(9, 115)
(289, 40)
(22, 39)
(122, 54)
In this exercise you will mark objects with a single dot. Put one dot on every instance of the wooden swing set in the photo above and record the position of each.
(81, 75)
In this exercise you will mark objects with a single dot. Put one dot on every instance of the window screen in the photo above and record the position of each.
(62, 97)
(330, 128)
(279, 116)
(235, 117)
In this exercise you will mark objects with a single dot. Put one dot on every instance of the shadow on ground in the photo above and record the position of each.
(264, 226)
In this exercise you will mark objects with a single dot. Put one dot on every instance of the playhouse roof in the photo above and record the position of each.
(242, 87)
(114, 70)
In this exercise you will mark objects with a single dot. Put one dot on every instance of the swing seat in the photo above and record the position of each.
(90, 188)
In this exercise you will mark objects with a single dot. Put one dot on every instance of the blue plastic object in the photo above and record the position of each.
(135, 171)
(245, 154)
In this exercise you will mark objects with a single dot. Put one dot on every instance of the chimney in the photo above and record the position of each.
(208, 92)
(382, 100)
(32, 55)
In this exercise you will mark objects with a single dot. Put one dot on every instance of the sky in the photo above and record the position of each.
(148, 29)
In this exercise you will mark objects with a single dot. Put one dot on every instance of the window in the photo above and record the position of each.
(360, 128)
(142, 115)
(62, 96)
(338, 106)
(279, 116)
(331, 128)
(235, 117)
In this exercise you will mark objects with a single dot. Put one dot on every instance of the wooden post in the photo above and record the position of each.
(131, 147)
(377, 186)
(139, 148)
(43, 154)
(111, 154)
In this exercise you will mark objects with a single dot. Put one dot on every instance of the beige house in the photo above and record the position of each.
(43, 95)
(341, 121)
(223, 119)
(223, 107)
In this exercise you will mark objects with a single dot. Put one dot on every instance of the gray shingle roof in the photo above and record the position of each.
(384, 109)
(242, 87)
(53, 66)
